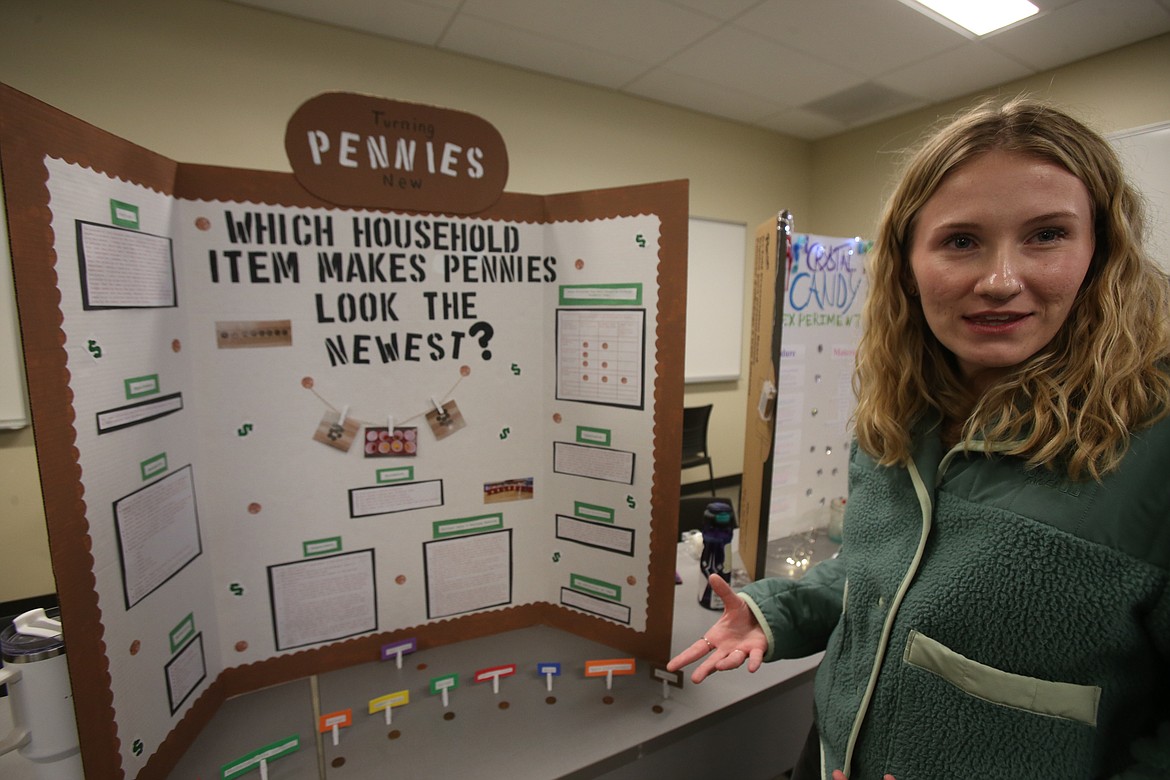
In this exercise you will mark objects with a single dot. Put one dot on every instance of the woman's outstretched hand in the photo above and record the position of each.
(736, 637)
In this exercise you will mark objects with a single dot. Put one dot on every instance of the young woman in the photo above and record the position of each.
(1001, 604)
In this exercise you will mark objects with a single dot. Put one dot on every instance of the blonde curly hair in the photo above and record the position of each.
(1072, 405)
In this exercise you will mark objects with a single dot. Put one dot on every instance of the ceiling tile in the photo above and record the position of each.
(1048, 5)
(863, 102)
(719, 9)
(648, 30)
(868, 37)
(1080, 30)
(521, 49)
(747, 60)
(694, 93)
(405, 20)
(802, 124)
(732, 57)
(969, 68)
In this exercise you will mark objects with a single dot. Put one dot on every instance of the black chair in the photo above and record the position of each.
(694, 440)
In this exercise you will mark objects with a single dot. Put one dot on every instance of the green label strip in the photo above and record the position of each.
(602, 514)
(396, 474)
(181, 633)
(600, 436)
(451, 680)
(123, 214)
(139, 386)
(270, 752)
(152, 467)
(601, 295)
(461, 526)
(321, 546)
(594, 587)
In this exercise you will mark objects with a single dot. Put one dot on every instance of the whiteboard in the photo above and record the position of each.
(13, 397)
(1145, 151)
(715, 296)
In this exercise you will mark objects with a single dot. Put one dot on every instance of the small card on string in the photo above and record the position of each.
(445, 419)
(337, 430)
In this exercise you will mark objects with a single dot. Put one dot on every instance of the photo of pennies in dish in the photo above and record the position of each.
(387, 443)
(508, 490)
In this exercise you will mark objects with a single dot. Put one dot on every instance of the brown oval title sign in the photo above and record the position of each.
(358, 150)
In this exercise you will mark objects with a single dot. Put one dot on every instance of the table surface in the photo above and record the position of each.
(581, 728)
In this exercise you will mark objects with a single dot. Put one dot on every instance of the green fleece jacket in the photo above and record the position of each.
(986, 620)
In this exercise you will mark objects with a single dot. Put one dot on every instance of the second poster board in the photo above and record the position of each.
(808, 292)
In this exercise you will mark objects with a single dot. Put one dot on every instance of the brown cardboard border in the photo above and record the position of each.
(759, 431)
(30, 130)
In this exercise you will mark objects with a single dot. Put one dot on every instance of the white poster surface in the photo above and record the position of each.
(323, 599)
(601, 355)
(158, 533)
(185, 671)
(124, 268)
(468, 573)
(601, 535)
(824, 289)
(593, 462)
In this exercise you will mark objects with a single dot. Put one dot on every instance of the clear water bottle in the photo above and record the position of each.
(718, 529)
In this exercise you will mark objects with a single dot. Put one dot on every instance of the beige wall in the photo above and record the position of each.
(1122, 89)
(24, 550)
(211, 82)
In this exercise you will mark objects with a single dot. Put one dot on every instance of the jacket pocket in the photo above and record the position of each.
(1068, 701)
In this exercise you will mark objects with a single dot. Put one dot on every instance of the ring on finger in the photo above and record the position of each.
(708, 641)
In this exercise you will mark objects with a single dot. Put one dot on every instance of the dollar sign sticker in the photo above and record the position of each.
(630, 501)
(556, 557)
(94, 348)
(237, 589)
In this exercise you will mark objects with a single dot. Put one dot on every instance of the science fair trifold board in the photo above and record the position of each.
(277, 433)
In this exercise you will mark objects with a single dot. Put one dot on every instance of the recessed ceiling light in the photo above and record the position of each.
(978, 16)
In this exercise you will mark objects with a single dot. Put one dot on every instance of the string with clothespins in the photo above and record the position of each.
(343, 412)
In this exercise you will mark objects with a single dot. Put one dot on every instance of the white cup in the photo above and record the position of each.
(44, 727)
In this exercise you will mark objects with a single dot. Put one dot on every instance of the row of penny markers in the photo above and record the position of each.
(441, 686)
